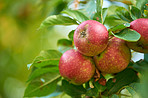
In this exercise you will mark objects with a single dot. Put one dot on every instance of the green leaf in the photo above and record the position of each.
(70, 35)
(42, 86)
(63, 49)
(57, 92)
(104, 13)
(143, 87)
(135, 86)
(90, 9)
(64, 45)
(146, 57)
(73, 90)
(131, 90)
(122, 79)
(140, 66)
(40, 71)
(115, 96)
(77, 15)
(113, 20)
(128, 35)
(119, 27)
(64, 42)
(138, 89)
(98, 88)
(135, 13)
(48, 57)
(99, 4)
(123, 14)
(99, 18)
(57, 20)
(139, 3)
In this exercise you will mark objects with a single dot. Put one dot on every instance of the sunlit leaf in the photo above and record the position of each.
(77, 15)
(128, 35)
(57, 20)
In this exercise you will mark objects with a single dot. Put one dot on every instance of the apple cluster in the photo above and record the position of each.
(96, 50)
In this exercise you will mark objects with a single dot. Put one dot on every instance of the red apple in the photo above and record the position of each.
(114, 58)
(90, 38)
(76, 67)
(141, 26)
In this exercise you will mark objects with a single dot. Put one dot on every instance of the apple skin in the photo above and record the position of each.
(114, 58)
(75, 67)
(91, 38)
(141, 26)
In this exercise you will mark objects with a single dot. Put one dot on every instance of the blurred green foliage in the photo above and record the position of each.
(20, 41)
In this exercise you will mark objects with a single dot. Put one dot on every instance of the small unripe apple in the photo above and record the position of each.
(75, 67)
(114, 58)
(90, 38)
(141, 26)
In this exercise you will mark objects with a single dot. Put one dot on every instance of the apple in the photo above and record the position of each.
(90, 38)
(141, 26)
(114, 58)
(75, 67)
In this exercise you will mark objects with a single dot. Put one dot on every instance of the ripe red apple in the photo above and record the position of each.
(90, 38)
(76, 67)
(141, 26)
(114, 58)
